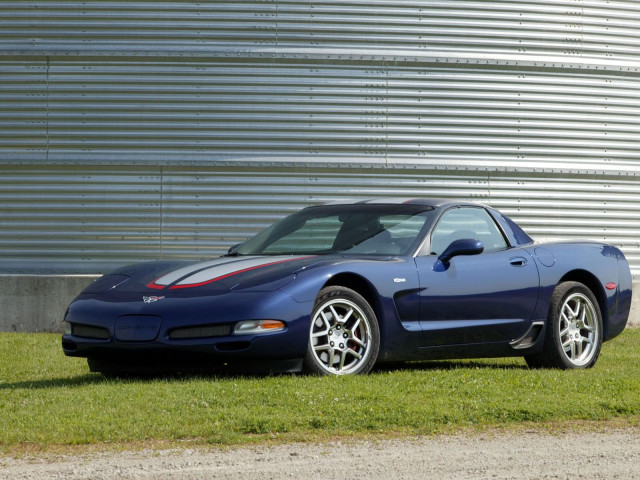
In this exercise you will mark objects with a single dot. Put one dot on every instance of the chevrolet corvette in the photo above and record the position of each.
(338, 288)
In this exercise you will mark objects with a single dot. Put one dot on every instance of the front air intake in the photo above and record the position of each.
(88, 331)
(206, 331)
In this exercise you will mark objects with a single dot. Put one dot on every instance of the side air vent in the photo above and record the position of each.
(530, 338)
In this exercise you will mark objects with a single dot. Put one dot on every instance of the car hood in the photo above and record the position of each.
(219, 275)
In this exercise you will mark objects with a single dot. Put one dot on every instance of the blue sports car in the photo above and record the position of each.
(335, 289)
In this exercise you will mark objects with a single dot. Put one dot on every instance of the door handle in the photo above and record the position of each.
(518, 261)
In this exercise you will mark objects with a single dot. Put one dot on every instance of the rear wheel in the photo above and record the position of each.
(574, 330)
(344, 337)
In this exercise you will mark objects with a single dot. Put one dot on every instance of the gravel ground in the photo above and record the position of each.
(610, 455)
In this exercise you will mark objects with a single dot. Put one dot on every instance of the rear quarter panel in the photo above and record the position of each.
(593, 264)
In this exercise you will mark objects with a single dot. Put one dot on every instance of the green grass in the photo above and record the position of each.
(48, 400)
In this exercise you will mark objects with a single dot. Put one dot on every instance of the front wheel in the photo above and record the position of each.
(344, 337)
(574, 329)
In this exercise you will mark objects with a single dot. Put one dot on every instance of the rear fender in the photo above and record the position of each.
(596, 266)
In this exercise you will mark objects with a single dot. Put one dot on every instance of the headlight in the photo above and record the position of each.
(67, 328)
(258, 326)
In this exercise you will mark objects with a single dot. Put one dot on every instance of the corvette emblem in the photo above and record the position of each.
(151, 299)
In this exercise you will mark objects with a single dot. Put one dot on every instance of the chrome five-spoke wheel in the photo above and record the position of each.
(574, 329)
(578, 330)
(343, 336)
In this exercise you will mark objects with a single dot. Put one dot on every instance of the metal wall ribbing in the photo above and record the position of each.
(101, 110)
(569, 29)
(57, 219)
(139, 130)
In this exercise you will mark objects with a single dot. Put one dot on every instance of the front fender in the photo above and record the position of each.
(390, 286)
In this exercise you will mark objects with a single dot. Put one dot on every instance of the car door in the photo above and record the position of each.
(487, 297)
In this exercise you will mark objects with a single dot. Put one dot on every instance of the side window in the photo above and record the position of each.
(466, 222)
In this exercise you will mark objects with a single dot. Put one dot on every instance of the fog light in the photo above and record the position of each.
(258, 326)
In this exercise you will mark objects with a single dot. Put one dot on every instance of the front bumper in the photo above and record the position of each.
(126, 330)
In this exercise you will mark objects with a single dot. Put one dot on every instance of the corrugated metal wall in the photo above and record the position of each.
(139, 130)
(59, 219)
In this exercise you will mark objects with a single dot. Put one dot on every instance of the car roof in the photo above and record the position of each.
(515, 234)
(430, 202)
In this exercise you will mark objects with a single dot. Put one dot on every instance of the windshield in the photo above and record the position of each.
(370, 229)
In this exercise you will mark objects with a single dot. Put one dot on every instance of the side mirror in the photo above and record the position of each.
(464, 246)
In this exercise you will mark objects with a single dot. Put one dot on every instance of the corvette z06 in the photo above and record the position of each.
(335, 289)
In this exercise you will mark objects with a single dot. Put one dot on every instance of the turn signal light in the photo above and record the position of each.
(272, 325)
(258, 326)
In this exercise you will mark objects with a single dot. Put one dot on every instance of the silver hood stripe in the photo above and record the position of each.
(176, 275)
(209, 272)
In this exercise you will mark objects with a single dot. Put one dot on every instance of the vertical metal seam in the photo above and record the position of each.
(161, 226)
(46, 117)
(386, 110)
(582, 30)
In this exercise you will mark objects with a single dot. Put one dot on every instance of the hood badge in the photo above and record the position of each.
(151, 299)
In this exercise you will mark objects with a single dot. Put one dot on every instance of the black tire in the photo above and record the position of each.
(573, 337)
(344, 337)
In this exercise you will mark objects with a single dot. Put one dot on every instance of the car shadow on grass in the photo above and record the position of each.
(97, 378)
(447, 365)
(78, 381)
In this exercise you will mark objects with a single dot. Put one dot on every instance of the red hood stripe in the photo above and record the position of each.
(200, 284)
